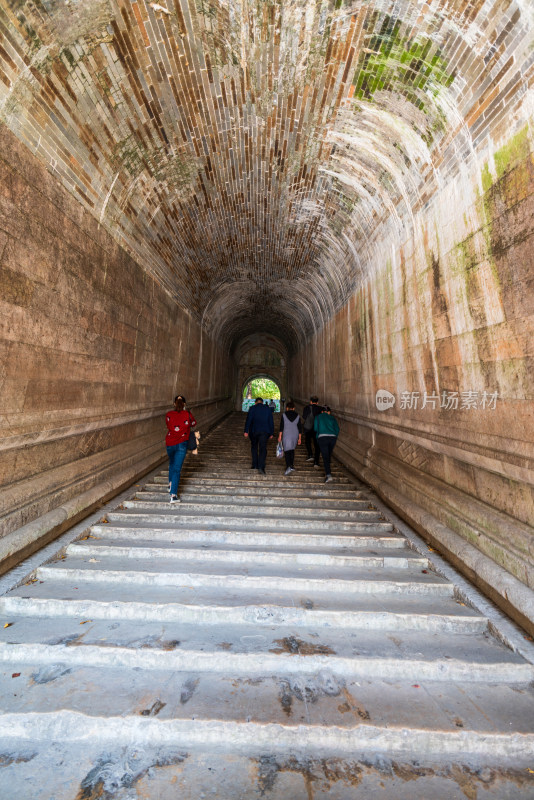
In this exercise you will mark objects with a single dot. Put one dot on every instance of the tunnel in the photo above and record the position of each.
(336, 194)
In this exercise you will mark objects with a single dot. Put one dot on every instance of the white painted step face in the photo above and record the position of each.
(323, 491)
(281, 702)
(211, 575)
(259, 501)
(400, 558)
(310, 514)
(131, 531)
(161, 772)
(266, 484)
(273, 650)
(250, 665)
(114, 601)
(173, 515)
(274, 479)
(272, 574)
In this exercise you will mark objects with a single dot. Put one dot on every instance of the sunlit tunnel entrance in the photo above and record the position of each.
(263, 387)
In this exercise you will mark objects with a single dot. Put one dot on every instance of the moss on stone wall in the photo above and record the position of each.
(395, 61)
(514, 151)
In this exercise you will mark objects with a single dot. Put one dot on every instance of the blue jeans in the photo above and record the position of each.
(177, 454)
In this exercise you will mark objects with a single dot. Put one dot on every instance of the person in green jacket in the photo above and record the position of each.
(326, 429)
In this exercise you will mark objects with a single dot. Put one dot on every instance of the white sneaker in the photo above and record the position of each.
(310, 458)
(328, 479)
(175, 498)
(288, 471)
(316, 466)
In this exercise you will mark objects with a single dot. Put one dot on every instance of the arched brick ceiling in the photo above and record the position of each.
(255, 155)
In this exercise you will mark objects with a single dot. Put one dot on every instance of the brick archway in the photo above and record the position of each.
(260, 357)
(266, 375)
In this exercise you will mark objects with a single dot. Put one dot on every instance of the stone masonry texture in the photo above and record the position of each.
(334, 193)
(93, 350)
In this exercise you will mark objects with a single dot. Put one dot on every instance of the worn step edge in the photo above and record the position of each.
(318, 492)
(247, 556)
(248, 737)
(265, 483)
(251, 614)
(253, 511)
(183, 520)
(252, 479)
(209, 580)
(321, 490)
(265, 501)
(109, 531)
(261, 663)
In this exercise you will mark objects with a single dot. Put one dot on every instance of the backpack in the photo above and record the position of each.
(310, 419)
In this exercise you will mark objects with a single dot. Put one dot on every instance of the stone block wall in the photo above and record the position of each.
(445, 327)
(92, 350)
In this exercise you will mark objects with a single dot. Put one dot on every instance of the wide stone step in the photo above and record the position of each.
(292, 654)
(315, 715)
(276, 469)
(173, 515)
(273, 476)
(257, 501)
(267, 488)
(237, 506)
(84, 767)
(249, 576)
(113, 601)
(275, 651)
(129, 529)
(314, 477)
(400, 558)
(242, 489)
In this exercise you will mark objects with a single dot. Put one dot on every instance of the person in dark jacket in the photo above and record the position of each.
(259, 428)
(179, 424)
(311, 411)
(290, 435)
(327, 430)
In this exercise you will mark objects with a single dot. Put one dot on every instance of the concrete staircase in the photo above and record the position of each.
(268, 637)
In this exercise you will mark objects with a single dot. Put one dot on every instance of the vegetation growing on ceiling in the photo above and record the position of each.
(414, 67)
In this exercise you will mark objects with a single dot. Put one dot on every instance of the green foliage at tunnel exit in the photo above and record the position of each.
(400, 64)
(262, 387)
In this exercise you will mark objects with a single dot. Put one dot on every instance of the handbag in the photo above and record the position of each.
(279, 450)
(192, 441)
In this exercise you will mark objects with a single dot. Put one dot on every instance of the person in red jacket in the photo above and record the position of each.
(179, 426)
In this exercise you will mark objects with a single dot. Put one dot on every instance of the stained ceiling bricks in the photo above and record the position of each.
(253, 156)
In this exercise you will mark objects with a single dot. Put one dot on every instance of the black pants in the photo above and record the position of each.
(258, 448)
(289, 456)
(309, 437)
(326, 445)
